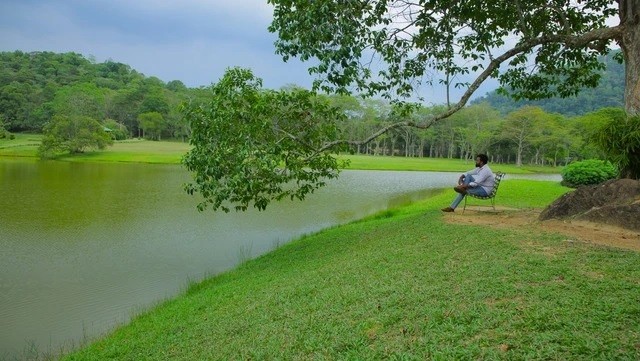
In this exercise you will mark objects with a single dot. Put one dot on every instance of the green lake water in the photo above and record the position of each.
(83, 247)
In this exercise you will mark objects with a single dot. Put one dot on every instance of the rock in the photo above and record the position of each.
(614, 202)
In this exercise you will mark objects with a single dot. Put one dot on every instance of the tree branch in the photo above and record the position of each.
(524, 46)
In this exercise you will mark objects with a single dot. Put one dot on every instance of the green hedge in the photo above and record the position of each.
(588, 172)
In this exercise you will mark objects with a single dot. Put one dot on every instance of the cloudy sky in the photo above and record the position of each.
(189, 40)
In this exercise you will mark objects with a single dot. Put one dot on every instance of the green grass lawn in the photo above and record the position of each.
(137, 151)
(24, 145)
(133, 150)
(434, 164)
(404, 285)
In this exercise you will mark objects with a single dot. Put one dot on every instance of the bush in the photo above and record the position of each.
(588, 172)
(619, 139)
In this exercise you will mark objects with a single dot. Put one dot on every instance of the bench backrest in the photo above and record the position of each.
(498, 178)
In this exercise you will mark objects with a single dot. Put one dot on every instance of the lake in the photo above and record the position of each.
(83, 246)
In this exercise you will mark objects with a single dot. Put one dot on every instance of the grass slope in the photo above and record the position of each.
(404, 285)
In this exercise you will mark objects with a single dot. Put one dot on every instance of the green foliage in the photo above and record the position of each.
(252, 146)
(35, 86)
(3, 132)
(153, 124)
(81, 99)
(619, 140)
(72, 134)
(117, 130)
(608, 93)
(588, 172)
(446, 41)
(154, 102)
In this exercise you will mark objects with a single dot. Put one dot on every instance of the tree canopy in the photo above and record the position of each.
(72, 134)
(392, 47)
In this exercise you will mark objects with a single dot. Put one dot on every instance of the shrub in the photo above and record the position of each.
(619, 139)
(587, 172)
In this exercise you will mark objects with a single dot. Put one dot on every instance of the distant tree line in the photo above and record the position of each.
(527, 135)
(60, 93)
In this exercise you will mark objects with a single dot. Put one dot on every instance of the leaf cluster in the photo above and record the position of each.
(619, 140)
(588, 172)
(72, 134)
(252, 146)
(393, 47)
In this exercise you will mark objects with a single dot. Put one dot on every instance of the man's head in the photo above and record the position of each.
(481, 159)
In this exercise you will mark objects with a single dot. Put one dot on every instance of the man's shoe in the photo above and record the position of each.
(448, 209)
(460, 189)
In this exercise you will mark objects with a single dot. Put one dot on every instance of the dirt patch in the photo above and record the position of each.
(575, 230)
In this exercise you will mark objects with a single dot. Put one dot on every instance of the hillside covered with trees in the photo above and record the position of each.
(608, 93)
(36, 86)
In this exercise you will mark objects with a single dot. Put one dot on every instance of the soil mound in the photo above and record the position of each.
(615, 202)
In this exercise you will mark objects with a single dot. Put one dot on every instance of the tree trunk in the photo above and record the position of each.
(630, 45)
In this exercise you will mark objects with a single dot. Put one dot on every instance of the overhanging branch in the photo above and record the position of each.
(570, 41)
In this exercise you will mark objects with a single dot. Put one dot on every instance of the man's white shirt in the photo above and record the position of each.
(483, 177)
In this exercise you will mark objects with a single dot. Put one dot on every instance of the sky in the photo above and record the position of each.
(193, 41)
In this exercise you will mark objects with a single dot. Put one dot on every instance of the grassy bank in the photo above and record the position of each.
(143, 151)
(133, 150)
(24, 145)
(404, 285)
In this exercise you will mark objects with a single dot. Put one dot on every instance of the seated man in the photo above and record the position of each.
(479, 181)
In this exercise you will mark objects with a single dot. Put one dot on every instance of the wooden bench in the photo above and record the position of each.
(491, 196)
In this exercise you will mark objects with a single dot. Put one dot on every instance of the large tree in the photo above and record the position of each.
(72, 134)
(393, 48)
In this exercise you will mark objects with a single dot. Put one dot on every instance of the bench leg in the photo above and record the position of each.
(465, 204)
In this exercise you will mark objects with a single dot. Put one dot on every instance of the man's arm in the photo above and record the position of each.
(474, 171)
(482, 175)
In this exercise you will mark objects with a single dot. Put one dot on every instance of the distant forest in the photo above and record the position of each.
(608, 93)
(35, 86)
(40, 86)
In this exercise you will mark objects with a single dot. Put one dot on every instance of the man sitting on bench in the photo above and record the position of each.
(479, 181)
